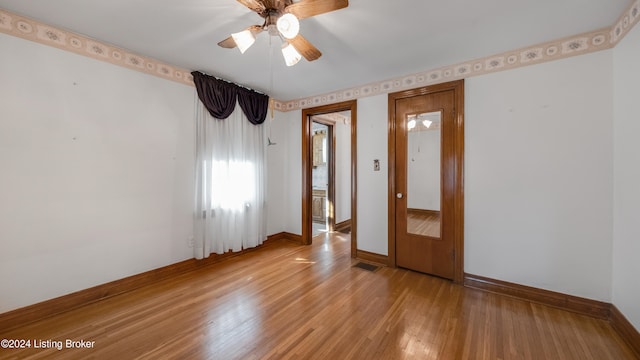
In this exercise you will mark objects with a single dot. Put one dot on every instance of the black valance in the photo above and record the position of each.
(219, 98)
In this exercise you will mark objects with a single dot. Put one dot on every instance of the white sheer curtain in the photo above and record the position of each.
(230, 183)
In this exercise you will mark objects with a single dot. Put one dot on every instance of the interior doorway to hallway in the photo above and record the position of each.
(328, 166)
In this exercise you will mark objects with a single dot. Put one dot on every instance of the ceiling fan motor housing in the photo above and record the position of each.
(270, 22)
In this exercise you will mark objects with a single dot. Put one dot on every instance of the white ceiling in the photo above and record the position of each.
(371, 40)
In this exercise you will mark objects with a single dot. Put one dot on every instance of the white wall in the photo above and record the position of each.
(96, 175)
(292, 123)
(626, 238)
(277, 171)
(538, 175)
(343, 171)
(372, 199)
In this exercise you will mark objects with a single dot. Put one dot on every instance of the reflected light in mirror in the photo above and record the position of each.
(411, 124)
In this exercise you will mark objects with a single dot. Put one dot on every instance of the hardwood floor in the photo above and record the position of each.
(309, 302)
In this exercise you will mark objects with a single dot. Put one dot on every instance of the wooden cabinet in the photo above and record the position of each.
(319, 206)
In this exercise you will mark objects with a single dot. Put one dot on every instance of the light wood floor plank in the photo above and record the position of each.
(286, 301)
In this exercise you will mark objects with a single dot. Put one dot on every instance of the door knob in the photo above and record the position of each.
(399, 195)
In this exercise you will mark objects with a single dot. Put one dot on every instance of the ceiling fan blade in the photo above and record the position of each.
(229, 43)
(255, 5)
(309, 8)
(305, 48)
(271, 4)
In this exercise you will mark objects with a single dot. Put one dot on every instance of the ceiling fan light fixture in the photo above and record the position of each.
(288, 25)
(244, 40)
(291, 55)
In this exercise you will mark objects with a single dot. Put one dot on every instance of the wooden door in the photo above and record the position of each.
(427, 182)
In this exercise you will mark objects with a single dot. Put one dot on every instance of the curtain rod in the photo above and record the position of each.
(231, 82)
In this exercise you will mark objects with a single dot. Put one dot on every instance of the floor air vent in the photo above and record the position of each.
(366, 266)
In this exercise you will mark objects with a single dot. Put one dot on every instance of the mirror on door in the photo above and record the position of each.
(423, 173)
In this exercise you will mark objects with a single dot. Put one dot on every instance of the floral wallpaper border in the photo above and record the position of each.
(45, 34)
(562, 48)
(585, 43)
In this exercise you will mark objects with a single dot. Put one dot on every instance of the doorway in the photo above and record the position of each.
(340, 119)
(426, 153)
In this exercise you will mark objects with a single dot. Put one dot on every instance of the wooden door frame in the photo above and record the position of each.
(307, 167)
(458, 203)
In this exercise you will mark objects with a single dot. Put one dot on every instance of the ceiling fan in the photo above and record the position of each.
(281, 19)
